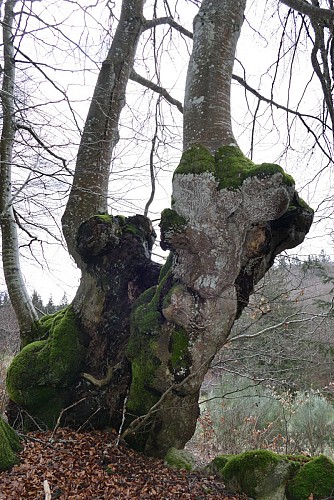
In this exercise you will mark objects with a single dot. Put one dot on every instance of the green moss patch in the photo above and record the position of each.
(244, 469)
(146, 322)
(229, 166)
(196, 161)
(39, 375)
(260, 474)
(9, 446)
(315, 479)
(104, 217)
(166, 268)
(179, 359)
(171, 220)
(218, 463)
(145, 325)
(264, 475)
(180, 459)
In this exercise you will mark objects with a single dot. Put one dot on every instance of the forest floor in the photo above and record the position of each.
(90, 466)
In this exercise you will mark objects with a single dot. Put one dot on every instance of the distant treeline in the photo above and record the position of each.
(42, 309)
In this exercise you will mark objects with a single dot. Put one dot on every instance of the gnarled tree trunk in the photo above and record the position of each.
(113, 254)
(137, 337)
(228, 221)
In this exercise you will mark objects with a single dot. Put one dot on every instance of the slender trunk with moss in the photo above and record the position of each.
(18, 293)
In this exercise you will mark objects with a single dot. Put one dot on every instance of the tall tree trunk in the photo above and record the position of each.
(138, 338)
(80, 353)
(18, 293)
(229, 220)
(207, 103)
(89, 193)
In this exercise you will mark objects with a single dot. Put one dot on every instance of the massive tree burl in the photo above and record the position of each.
(228, 221)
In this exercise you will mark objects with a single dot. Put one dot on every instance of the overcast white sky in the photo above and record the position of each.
(130, 186)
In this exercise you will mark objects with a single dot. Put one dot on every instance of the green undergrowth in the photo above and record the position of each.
(229, 166)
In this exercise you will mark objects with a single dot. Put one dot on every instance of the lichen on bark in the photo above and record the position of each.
(229, 219)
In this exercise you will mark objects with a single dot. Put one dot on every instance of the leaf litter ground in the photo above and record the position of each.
(90, 466)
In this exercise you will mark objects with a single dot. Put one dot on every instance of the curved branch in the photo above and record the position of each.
(310, 10)
(103, 381)
(20, 126)
(167, 20)
(268, 100)
(152, 171)
(322, 74)
(156, 88)
(52, 82)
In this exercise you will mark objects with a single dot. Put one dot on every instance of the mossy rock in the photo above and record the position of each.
(9, 446)
(217, 465)
(40, 375)
(229, 166)
(314, 480)
(180, 459)
(260, 474)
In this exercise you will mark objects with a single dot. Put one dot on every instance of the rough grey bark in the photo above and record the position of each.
(207, 102)
(113, 253)
(89, 193)
(19, 296)
(149, 335)
(229, 220)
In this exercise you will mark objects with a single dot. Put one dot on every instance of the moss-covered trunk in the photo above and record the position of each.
(230, 218)
(9, 445)
(77, 356)
(134, 344)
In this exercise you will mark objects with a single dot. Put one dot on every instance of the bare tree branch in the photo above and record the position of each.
(301, 116)
(37, 66)
(167, 20)
(310, 10)
(21, 126)
(268, 100)
(152, 170)
(156, 88)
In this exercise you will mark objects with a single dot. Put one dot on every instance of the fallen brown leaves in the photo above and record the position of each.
(90, 466)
